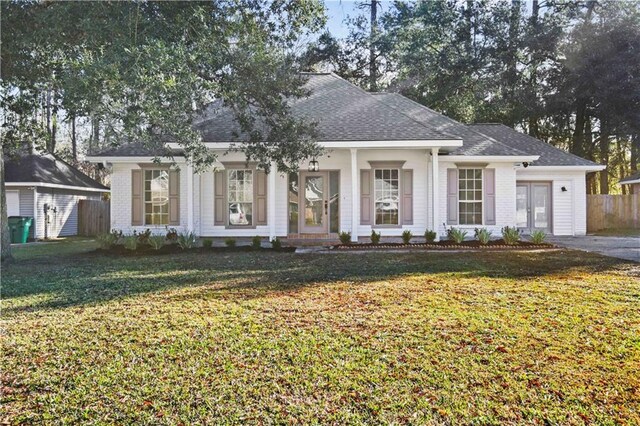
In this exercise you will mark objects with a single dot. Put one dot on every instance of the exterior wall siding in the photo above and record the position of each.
(25, 205)
(64, 222)
(569, 212)
(569, 208)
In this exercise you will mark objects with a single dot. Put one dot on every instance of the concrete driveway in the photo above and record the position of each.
(627, 248)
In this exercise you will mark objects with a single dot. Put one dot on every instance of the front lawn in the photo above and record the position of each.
(484, 338)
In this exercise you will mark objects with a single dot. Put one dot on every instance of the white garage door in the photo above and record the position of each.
(13, 203)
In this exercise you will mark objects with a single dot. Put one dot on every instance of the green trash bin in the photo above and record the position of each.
(19, 228)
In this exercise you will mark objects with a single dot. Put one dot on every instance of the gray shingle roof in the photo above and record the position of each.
(473, 143)
(630, 178)
(46, 168)
(343, 112)
(549, 155)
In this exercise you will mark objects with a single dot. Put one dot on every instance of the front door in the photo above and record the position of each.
(314, 202)
(533, 206)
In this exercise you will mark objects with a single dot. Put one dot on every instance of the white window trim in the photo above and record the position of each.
(481, 201)
(252, 224)
(144, 197)
(375, 214)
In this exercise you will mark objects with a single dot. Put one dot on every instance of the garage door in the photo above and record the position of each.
(13, 203)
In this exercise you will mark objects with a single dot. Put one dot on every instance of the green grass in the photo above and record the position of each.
(473, 338)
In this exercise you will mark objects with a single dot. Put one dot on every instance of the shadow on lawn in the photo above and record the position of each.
(66, 281)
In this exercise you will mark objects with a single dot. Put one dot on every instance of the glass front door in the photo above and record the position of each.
(314, 202)
(533, 206)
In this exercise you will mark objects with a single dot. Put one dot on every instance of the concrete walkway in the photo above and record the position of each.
(627, 248)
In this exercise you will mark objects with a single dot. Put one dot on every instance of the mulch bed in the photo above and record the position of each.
(447, 245)
(145, 250)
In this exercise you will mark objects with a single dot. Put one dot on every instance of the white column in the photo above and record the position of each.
(271, 202)
(190, 198)
(355, 194)
(435, 193)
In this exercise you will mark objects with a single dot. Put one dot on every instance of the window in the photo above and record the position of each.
(387, 196)
(470, 196)
(240, 197)
(156, 197)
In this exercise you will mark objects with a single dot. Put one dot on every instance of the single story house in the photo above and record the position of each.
(46, 188)
(633, 181)
(391, 165)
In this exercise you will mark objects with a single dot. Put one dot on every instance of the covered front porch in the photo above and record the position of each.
(389, 189)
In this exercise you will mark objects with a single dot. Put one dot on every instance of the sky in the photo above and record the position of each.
(339, 10)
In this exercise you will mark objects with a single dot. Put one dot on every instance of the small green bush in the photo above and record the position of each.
(143, 237)
(483, 235)
(131, 242)
(187, 240)
(406, 237)
(276, 243)
(172, 235)
(538, 237)
(156, 241)
(430, 236)
(256, 242)
(375, 237)
(230, 242)
(345, 237)
(207, 243)
(106, 241)
(510, 235)
(456, 235)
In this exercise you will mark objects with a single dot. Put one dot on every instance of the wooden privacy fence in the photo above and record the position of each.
(93, 217)
(612, 212)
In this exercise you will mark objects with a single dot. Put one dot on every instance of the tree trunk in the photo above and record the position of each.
(635, 152)
(577, 143)
(604, 156)
(373, 67)
(48, 113)
(5, 252)
(74, 142)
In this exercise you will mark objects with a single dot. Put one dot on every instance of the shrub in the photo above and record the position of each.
(406, 236)
(143, 237)
(131, 242)
(276, 243)
(156, 241)
(256, 242)
(483, 235)
(375, 237)
(538, 237)
(430, 236)
(207, 243)
(172, 235)
(187, 240)
(230, 242)
(106, 241)
(456, 235)
(345, 237)
(510, 235)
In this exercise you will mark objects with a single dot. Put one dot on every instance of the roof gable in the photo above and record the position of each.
(342, 111)
(47, 168)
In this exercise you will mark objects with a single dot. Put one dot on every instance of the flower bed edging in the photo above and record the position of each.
(520, 246)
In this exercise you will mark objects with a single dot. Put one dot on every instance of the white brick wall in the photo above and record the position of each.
(121, 200)
(569, 208)
(505, 197)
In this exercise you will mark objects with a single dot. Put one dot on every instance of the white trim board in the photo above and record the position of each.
(55, 185)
